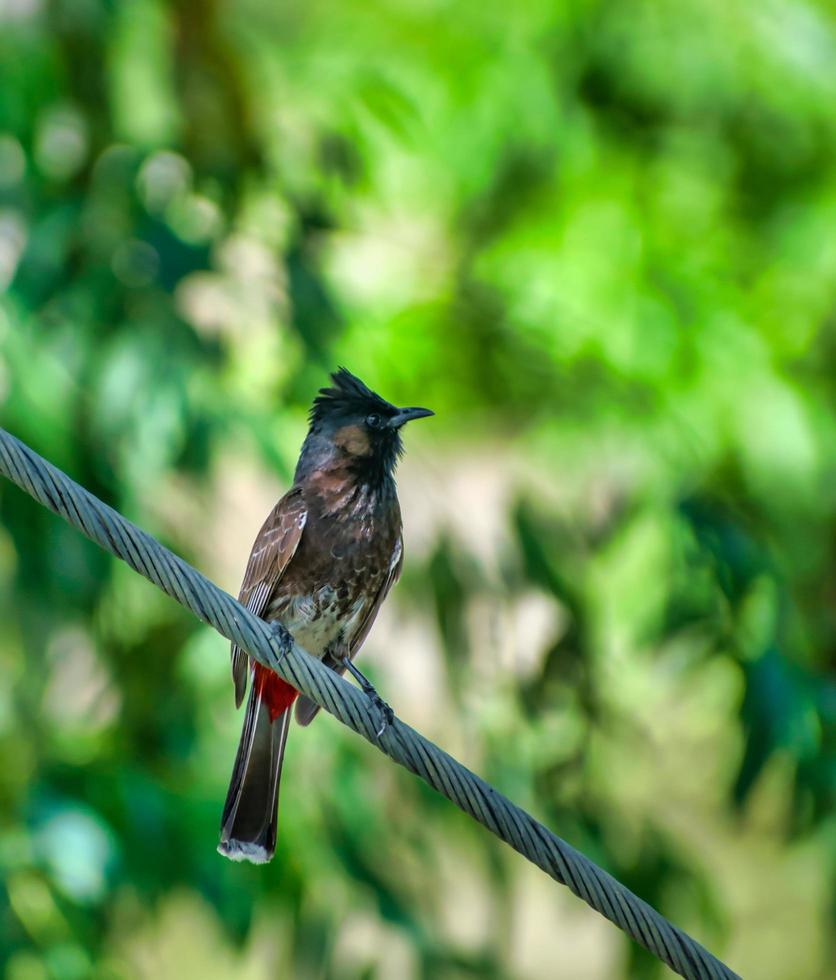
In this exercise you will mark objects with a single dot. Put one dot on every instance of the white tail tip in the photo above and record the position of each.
(237, 850)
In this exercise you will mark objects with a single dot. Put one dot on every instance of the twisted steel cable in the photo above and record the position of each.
(272, 646)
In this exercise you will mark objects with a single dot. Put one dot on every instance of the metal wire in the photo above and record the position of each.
(272, 646)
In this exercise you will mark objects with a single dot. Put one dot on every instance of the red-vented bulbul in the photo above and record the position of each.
(322, 564)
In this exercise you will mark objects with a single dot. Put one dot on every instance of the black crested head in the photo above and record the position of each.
(350, 422)
(347, 397)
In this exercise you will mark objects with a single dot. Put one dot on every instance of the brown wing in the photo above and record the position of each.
(306, 710)
(273, 549)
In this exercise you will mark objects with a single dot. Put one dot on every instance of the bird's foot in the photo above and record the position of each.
(387, 715)
(284, 642)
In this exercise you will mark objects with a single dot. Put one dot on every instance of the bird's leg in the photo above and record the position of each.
(387, 715)
(283, 639)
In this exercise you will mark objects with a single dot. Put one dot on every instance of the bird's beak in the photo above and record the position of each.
(407, 415)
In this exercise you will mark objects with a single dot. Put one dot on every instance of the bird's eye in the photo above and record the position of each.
(373, 421)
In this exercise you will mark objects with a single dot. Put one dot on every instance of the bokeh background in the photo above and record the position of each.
(597, 237)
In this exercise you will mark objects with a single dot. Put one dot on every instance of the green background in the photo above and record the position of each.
(598, 239)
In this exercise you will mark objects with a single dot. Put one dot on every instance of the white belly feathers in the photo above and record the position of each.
(313, 620)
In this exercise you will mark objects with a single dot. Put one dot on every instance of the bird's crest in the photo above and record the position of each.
(348, 395)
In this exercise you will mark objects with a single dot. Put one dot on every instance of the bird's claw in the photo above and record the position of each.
(284, 642)
(387, 715)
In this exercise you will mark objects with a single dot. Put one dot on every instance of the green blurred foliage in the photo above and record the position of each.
(598, 239)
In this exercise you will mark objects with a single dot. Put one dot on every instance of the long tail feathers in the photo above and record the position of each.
(248, 825)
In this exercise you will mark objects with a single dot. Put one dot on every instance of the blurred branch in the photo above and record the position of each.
(272, 646)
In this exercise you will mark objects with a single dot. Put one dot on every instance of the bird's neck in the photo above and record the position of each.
(338, 490)
(344, 480)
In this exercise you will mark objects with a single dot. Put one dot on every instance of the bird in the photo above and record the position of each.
(321, 565)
